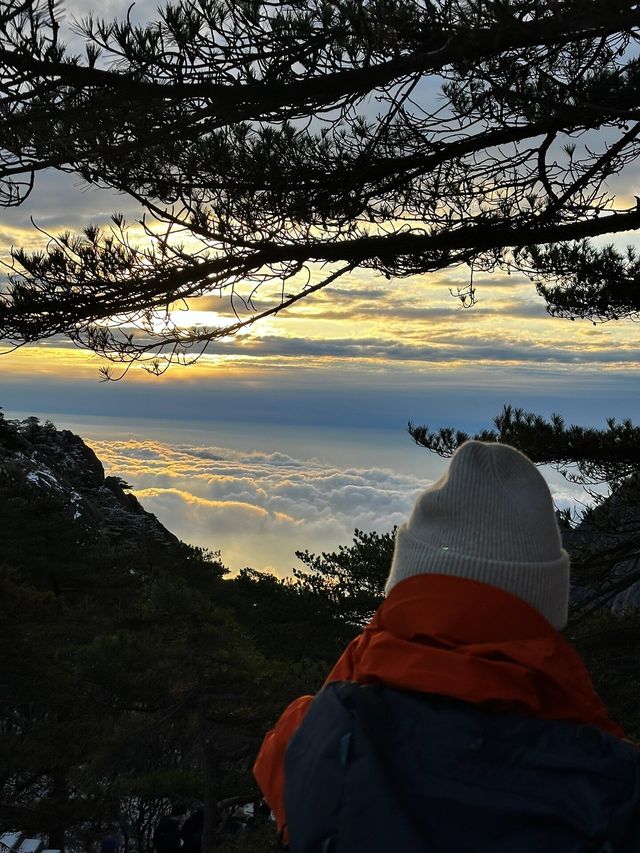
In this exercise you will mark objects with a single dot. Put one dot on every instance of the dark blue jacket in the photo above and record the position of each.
(373, 769)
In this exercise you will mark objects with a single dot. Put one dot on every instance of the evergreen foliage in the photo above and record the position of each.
(610, 647)
(580, 280)
(287, 146)
(278, 610)
(122, 677)
(350, 580)
(599, 456)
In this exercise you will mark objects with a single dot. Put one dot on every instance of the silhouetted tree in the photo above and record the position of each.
(275, 149)
(352, 578)
(599, 456)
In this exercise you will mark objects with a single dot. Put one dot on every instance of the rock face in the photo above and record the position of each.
(608, 541)
(59, 463)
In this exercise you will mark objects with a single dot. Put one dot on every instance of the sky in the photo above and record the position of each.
(290, 436)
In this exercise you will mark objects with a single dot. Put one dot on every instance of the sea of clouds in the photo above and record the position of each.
(256, 507)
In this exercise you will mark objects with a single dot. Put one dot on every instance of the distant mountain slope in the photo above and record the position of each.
(59, 464)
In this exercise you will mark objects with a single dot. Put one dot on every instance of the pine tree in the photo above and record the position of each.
(278, 149)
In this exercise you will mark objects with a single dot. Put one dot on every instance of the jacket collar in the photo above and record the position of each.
(472, 641)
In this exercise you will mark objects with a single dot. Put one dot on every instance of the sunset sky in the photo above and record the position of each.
(290, 436)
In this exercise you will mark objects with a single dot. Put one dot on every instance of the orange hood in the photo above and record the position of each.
(472, 641)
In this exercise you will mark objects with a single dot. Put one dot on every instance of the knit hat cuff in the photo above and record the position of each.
(544, 585)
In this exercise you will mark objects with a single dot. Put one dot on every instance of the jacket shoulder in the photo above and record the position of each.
(374, 766)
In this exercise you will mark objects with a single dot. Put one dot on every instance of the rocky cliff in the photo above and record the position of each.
(57, 463)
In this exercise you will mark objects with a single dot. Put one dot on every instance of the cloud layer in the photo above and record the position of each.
(259, 508)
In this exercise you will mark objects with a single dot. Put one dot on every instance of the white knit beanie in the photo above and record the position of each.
(491, 519)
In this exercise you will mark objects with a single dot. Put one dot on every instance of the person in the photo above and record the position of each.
(110, 843)
(191, 832)
(460, 719)
(166, 838)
